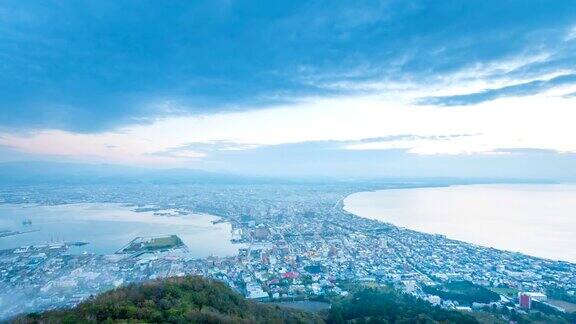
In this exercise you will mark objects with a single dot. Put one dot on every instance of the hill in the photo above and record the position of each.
(194, 299)
(373, 305)
(58, 173)
(189, 299)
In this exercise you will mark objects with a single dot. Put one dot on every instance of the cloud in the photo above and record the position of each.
(108, 65)
(571, 35)
(413, 144)
(215, 145)
(296, 86)
(358, 124)
(524, 151)
(197, 150)
(523, 89)
(314, 159)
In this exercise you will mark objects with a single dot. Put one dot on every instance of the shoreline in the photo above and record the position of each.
(392, 219)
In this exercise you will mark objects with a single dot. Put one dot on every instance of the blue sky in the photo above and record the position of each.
(293, 87)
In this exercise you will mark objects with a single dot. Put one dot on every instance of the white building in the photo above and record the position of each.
(255, 292)
(537, 296)
(434, 300)
(409, 286)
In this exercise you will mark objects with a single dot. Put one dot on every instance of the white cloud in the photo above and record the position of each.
(472, 79)
(540, 122)
(571, 35)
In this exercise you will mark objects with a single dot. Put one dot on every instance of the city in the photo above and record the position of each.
(295, 242)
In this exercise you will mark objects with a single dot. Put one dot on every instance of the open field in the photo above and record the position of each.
(509, 292)
(569, 307)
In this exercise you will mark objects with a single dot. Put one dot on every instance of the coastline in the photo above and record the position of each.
(423, 210)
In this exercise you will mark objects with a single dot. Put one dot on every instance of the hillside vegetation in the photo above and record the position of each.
(189, 299)
(194, 299)
(387, 306)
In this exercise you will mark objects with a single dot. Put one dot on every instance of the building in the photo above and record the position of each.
(236, 234)
(434, 300)
(254, 291)
(290, 275)
(383, 243)
(261, 233)
(537, 296)
(409, 286)
(525, 300)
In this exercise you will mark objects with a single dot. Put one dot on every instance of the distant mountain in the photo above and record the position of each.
(191, 299)
(75, 173)
(57, 173)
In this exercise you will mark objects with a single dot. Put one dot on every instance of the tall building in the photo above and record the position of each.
(525, 300)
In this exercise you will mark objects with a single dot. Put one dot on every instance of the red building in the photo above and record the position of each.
(525, 300)
(290, 275)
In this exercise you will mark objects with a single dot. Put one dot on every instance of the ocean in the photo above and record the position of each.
(534, 219)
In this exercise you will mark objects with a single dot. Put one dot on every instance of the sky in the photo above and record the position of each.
(479, 88)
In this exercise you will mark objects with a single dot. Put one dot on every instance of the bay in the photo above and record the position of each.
(109, 227)
(534, 219)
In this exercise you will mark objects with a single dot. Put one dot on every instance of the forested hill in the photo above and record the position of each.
(189, 299)
(194, 299)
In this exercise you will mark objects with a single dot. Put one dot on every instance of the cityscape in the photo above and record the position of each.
(295, 243)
